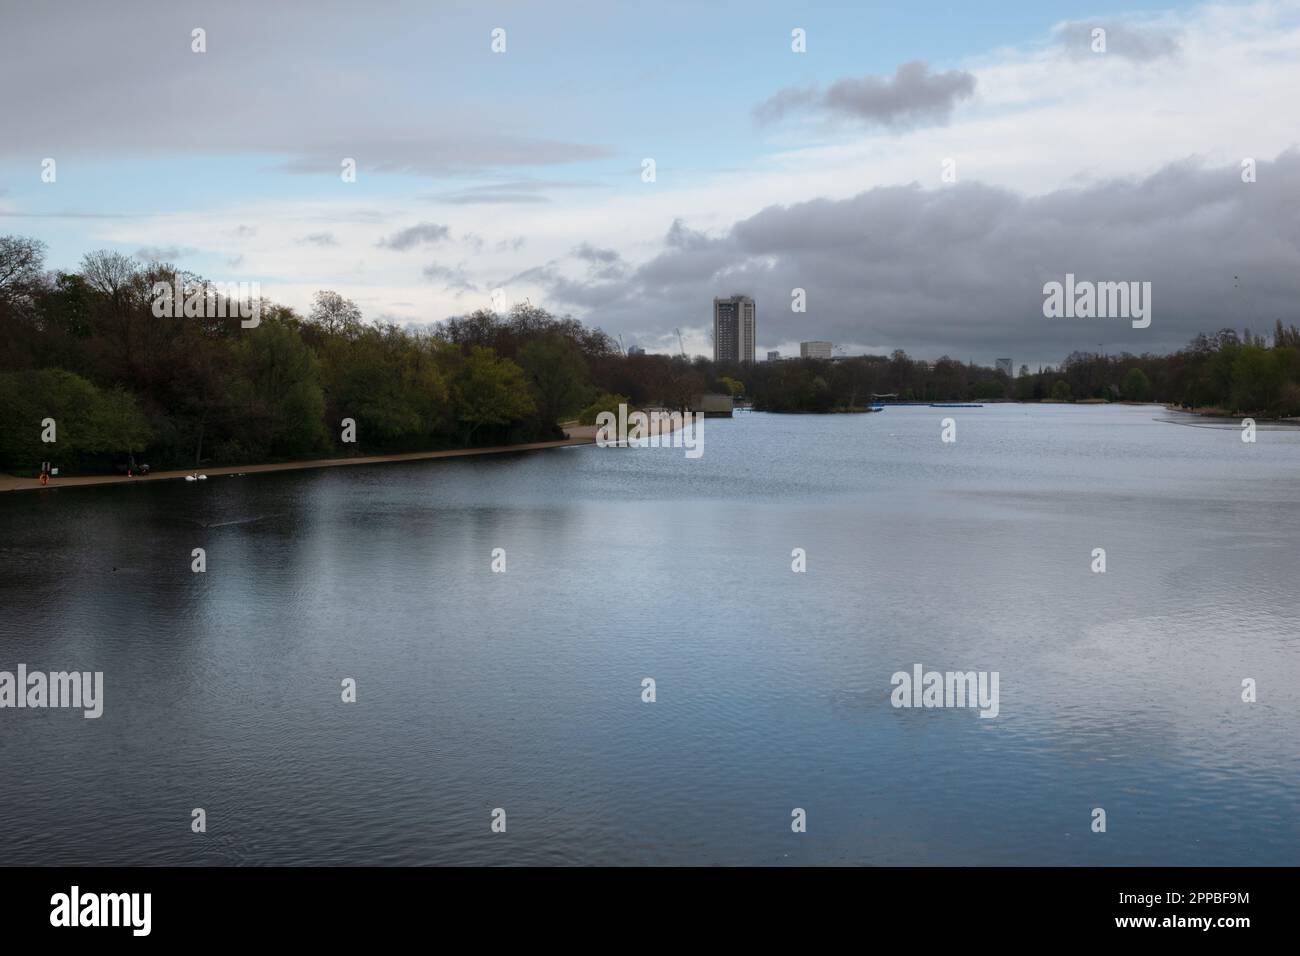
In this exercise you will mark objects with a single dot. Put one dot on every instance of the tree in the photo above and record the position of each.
(91, 425)
(276, 392)
(1257, 379)
(1137, 387)
(110, 273)
(335, 315)
(1061, 390)
(557, 376)
(21, 259)
(682, 386)
(490, 391)
(604, 402)
(1286, 336)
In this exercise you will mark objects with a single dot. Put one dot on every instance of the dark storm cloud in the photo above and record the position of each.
(423, 233)
(960, 270)
(1139, 44)
(912, 96)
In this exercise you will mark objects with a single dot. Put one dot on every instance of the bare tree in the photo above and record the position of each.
(109, 272)
(21, 260)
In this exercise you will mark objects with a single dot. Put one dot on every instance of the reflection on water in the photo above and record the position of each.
(523, 690)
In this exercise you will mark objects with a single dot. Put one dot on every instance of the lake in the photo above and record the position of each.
(522, 690)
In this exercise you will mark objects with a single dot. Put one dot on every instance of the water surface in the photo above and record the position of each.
(522, 690)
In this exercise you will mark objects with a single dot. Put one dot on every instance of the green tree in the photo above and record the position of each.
(366, 384)
(1257, 379)
(557, 377)
(276, 392)
(490, 391)
(1061, 390)
(605, 402)
(1137, 387)
(91, 425)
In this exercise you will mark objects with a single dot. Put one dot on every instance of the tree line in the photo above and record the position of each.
(87, 350)
(1225, 372)
(1246, 374)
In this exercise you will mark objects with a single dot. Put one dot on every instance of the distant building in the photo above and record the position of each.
(734, 320)
(1004, 366)
(817, 350)
(773, 356)
(635, 350)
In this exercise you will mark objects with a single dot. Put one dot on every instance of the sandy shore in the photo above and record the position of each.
(577, 435)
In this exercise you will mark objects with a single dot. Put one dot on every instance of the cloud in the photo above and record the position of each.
(1030, 132)
(1141, 44)
(681, 237)
(490, 198)
(913, 96)
(260, 95)
(453, 278)
(601, 263)
(322, 239)
(419, 154)
(424, 233)
(163, 253)
(589, 253)
(514, 191)
(960, 269)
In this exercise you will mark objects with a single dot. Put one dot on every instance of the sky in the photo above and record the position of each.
(920, 170)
